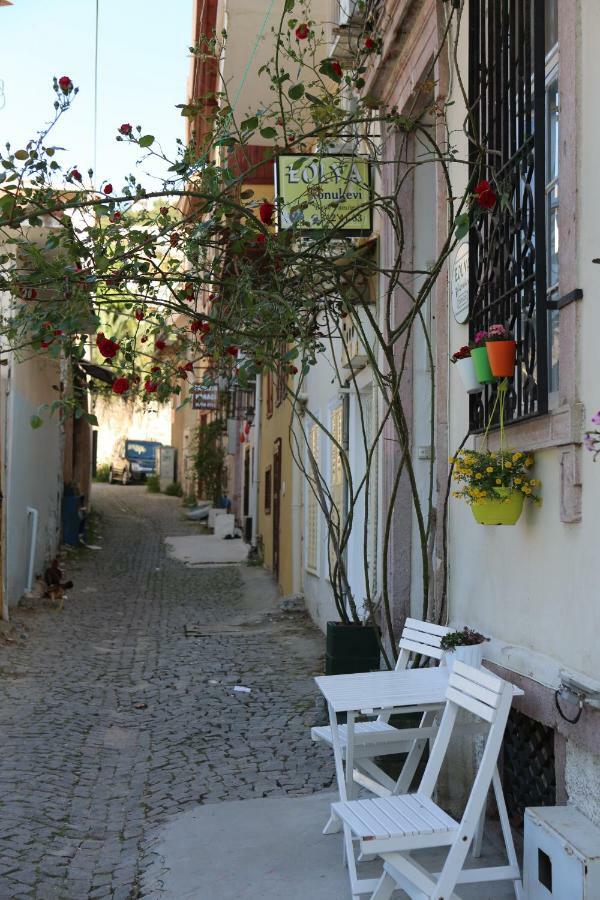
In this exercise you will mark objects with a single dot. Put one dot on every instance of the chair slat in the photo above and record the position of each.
(419, 637)
(487, 713)
(479, 675)
(427, 627)
(424, 649)
(492, 698)
(420, 822)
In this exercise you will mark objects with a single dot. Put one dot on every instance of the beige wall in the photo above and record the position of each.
(118, 418)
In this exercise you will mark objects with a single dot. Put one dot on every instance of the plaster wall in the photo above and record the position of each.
(32, 469)
(120, 418)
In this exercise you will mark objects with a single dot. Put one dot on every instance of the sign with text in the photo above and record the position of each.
(321, 193)
(205, 396)
(459, 284)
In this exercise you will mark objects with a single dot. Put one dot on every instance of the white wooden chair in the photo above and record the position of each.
(379, 738)
(393, 827)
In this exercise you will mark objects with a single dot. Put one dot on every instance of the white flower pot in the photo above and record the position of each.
(466, 370)
(470, 656)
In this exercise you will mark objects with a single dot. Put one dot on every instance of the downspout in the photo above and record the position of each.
(256, 464)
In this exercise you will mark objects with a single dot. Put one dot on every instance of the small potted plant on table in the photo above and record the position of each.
(465, 645)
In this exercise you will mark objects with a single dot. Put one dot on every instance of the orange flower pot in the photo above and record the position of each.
(502, 356)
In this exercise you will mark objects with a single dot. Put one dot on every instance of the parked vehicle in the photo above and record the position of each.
(133, 461)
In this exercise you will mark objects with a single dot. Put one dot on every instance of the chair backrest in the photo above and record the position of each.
(422, 638)
(485, 696)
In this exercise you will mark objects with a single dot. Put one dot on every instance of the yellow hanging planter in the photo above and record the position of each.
(496, 511)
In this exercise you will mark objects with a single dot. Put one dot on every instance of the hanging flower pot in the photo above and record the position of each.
(468, 375)
(502, 356)
(481, 364)
(501, 350)
(464, 364)
(504, 509)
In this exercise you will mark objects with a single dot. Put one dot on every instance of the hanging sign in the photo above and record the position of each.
(205, 396)
(459, 284)
(322, 193)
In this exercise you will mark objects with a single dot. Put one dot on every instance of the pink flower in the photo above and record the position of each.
(480, 337)
(596, 418)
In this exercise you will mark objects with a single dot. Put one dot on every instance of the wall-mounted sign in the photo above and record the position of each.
(320, 193)
(205, 396)
(459, 284)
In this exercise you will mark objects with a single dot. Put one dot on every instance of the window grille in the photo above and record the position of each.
(508, 260)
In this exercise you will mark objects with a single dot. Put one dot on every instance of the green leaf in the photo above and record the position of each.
(147, 140)
(289, 5)
(296, 91)
(36, 422)
(250, 124)
(268, 132)
(462, 224)
(21, 154)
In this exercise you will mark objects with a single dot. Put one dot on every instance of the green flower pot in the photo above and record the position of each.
(482, 365)
(499, 512)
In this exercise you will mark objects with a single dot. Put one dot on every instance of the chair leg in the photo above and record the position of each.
(385, 888)
(333, 826)
(506, 832)
(478, 838)
(412, 760)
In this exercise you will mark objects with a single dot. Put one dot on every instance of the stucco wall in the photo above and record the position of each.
(33, 465)
(119, 418)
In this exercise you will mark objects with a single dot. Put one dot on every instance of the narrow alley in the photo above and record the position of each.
(113, 719)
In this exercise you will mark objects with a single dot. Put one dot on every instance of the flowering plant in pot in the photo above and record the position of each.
(495, 484)
(501, 350)
(466, 369)
(479, 355)
(465, 645)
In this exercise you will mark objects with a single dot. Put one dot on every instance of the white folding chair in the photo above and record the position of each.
(394, 827)
(377, 737)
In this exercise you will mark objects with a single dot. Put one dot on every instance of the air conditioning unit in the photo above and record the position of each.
(561, 854)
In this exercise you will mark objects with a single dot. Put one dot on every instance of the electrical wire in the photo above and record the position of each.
(261, 32)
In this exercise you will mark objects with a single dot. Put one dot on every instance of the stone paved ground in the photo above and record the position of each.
(85, 775)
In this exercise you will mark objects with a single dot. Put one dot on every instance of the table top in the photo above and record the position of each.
(368, 691)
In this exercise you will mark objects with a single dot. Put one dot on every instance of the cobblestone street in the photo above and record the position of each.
(113, 720)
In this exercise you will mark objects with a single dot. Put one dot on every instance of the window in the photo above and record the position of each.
(312, 504)
(336, 475)
(281, 388)
(268, 490)
(513, 249)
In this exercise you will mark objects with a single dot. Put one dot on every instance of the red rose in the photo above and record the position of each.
(266, 211)
(76, 175)
(126, 128)
(336, 68)
(232, 350)
(65, 84)
(181, 372)
(115, 217)
(144, 339)
(139, 314)
(189, 367)
(302, 31)
(164, 210)
(108, 188)
(484, 195)
(58, 332)
(293, 370)
(369, 44)
(260, 238)
(160, 344)
(189, 289)
(174, 239)
(150, 387)
(45, 344)
(155, 369)
(107, 348)
(120, 385)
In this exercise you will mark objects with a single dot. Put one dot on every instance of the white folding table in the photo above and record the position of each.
(381, 693)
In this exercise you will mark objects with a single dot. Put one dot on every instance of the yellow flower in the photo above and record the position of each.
(526, 489)
(518, 480)
(529, 461)
(479, 476)
(498, 481)
(534, 482)
(451, 459)
(517, 456)
(489, 469)
(508, 465)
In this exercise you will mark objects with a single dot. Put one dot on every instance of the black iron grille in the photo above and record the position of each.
(529, 770)
(507, 248)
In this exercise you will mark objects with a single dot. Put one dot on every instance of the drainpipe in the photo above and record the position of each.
(256, 463)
